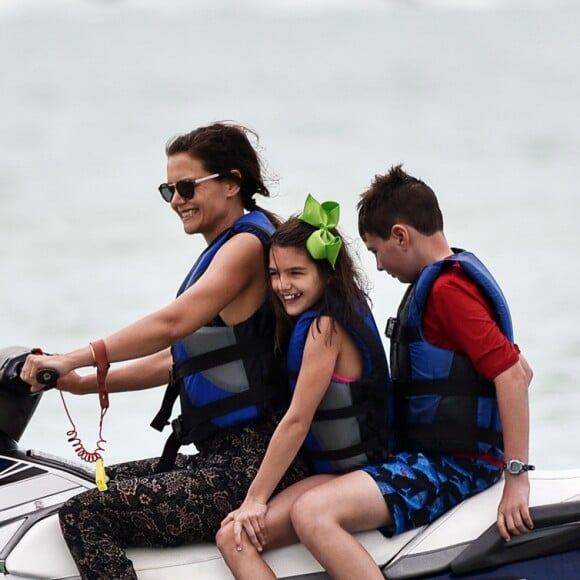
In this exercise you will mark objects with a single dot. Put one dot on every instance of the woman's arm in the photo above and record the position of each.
(318, 364)
(144, 373)
(236, 272)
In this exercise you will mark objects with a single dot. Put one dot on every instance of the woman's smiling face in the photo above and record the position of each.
(204, 212)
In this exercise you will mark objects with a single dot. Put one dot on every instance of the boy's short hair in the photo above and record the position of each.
(398, 197)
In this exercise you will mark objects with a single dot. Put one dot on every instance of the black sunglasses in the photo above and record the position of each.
(185, 188)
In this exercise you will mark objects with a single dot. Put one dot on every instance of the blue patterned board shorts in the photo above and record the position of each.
(419, 488)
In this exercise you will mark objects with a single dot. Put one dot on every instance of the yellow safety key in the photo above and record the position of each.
(100, 475)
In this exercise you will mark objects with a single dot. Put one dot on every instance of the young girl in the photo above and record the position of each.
(337, 373)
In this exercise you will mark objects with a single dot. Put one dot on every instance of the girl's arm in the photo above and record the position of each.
(318, 364)
(237, 266)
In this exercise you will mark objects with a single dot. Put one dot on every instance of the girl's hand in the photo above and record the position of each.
(249, 517)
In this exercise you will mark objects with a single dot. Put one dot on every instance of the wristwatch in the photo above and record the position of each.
(517, 467)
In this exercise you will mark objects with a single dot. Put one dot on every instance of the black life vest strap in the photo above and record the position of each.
(443, 387)
(254, 396)
(221, 356)
(202, 362)
(447, 432)
(398, 333)
(161, 420)
(355, 410)
(170, 450)
(202, 426)
(346, 452)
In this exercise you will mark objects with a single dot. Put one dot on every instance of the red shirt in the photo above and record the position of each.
(458, 317)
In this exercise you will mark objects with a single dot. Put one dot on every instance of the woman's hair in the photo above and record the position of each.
(345, 289)
(222, 147)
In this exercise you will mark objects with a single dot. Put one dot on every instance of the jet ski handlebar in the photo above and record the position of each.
(47, 377)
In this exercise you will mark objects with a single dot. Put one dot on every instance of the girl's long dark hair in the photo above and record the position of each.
(222, 147)
(345, 292)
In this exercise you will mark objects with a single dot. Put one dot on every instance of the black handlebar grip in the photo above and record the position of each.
(47, 377)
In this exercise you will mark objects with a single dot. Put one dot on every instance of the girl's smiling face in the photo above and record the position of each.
(295, 278)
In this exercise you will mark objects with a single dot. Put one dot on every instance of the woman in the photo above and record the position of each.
(221, 333)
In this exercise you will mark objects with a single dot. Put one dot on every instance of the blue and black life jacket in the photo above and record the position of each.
(224, 375)
(442, 404)
(352, 425)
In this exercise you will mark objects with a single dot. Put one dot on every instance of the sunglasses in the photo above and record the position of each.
(185, 188)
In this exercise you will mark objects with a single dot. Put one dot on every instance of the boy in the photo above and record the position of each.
(460, 390)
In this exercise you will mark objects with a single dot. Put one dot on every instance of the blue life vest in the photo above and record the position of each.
(441, 403)
(352, 425)
(225, 375)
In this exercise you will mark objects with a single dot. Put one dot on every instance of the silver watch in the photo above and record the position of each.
(517, 467)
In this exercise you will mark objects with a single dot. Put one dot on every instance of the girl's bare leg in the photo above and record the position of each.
(248, 563)
(326, 516)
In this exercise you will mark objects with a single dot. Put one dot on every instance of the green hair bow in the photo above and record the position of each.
(322, 244)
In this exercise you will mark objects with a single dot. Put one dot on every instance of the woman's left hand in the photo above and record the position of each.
(249, 517)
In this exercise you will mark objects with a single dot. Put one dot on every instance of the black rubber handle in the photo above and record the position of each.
(47, 377)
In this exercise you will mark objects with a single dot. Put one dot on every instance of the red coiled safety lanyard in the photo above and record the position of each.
(101, 361)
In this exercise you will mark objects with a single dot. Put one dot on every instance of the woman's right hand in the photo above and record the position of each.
(35, 362)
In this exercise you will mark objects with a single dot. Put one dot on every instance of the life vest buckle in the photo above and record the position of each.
(177, 428)
(392, 327)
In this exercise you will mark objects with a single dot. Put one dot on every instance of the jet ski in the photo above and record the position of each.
(461, 544)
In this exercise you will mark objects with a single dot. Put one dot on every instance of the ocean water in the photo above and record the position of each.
(476, 97)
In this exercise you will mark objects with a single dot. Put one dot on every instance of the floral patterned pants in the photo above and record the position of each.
(185, 505)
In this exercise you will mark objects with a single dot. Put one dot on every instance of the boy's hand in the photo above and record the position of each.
(513, 514)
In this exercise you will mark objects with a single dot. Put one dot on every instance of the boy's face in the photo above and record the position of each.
(389, 256)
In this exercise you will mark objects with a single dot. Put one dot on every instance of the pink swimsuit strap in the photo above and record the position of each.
(340, 379)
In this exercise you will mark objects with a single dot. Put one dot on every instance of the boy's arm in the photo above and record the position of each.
(457, 317)
(513, 516)
(527, 369)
